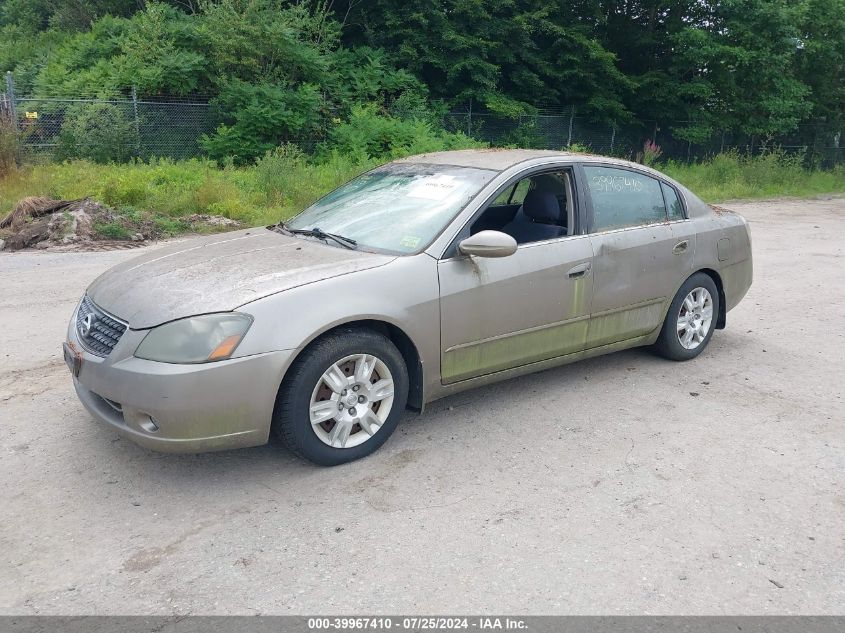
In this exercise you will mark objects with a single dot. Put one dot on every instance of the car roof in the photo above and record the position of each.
(501, 159)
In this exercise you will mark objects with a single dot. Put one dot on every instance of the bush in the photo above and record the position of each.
(369, 134)
(526, 134)
(119, 190)
(259, 117)
(112, 230)
(101, 132)
(9, 147)
(579, 148)
(278, 173)
(289, 181)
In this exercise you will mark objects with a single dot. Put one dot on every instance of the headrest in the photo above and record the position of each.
(541, 206)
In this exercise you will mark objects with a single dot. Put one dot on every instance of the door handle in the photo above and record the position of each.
(580, 270)
(680, 247)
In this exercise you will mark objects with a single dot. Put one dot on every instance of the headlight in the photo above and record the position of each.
(199, 339)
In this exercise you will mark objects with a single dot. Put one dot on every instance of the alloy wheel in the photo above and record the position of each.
(695, 318)
(351, 401)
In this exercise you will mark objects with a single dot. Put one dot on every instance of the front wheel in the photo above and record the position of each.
(342, 398)
(691, 319)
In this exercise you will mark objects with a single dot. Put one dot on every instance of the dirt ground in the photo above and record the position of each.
(623, 484)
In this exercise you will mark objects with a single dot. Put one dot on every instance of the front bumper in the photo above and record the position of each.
(180, 408)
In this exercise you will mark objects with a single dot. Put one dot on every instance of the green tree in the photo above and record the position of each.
(509, 56)
(283, 70)
(160, 53)
(641, 34)
(821, 59)
(739, 69)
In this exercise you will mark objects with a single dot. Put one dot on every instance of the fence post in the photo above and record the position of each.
(571, 118)
(814, 154)
(137, 124)
(612, 138)
(13, 114)
(10, 93)
(469, 118)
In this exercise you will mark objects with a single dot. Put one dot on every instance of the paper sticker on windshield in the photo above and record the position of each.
(409, 241)
(433, 187)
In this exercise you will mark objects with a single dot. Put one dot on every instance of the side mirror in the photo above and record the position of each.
(488, 244)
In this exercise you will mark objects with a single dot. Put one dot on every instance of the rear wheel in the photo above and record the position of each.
(342, 398)
(691, 319)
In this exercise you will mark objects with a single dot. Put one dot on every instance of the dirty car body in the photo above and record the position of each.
(469, 267)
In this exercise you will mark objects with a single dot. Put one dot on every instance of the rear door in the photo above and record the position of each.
(640, 256)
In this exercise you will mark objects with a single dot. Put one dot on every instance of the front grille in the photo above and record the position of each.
(98, 331)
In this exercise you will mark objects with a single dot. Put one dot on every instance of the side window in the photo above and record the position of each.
(623, 198)
(502, 198)
(512, 195)
(521, 190)
(673, 203)
(536, 208)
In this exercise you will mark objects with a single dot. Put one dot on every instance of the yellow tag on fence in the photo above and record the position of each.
(31, 115)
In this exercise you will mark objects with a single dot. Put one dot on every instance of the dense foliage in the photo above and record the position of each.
(366, 76)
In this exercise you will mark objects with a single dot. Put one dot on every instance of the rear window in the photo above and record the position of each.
(623, 198)
(673, 203)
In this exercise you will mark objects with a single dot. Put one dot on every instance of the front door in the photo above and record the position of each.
(500, 313)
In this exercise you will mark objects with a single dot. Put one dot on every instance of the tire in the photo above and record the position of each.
(697, 297)
(331, 372)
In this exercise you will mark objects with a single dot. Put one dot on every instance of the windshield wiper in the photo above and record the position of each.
(346, 242)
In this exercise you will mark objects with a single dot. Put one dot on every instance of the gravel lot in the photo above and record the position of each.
(623, 484)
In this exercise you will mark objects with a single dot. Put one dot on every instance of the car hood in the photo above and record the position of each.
(218, 273)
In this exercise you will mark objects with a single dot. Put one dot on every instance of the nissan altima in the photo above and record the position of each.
(421, 278)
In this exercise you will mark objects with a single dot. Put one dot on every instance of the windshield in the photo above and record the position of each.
(398, 207)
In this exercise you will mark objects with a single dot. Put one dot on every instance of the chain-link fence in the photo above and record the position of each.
(138, 127)
(557, 129)
(111, 130)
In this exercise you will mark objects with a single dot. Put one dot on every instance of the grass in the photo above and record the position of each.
(730, 176)
(276, 187)
(112, 230)
(285, 181)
